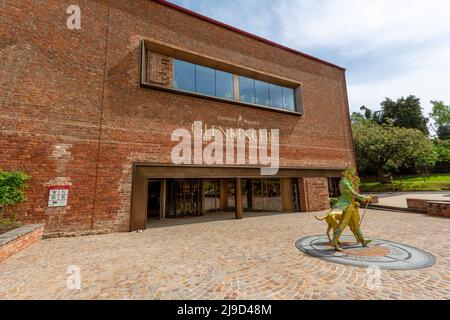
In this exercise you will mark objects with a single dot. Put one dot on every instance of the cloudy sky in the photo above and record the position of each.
(390, 48)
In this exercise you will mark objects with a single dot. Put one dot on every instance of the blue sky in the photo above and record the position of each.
(391, 48)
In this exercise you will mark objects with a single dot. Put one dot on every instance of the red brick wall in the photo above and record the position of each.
(73, 111)
(314, 194)
(51, 91)
(20, 243)
(417, 204)
(438, 208)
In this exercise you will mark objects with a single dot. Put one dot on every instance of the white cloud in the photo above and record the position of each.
(344, 23)
(390, 48)
(428, 78)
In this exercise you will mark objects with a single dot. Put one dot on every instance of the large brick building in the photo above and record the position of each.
(95, 109)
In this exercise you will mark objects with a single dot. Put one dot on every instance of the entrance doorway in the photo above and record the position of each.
(295, 195)
(231, 194)
(261, 194)
(164, 191)
(154, 199)
(184, 198)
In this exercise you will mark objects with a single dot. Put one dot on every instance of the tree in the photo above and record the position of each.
(388, 148)
(441, 118)
(358, 117)
(443, 132)
(405, 113)
(442, 149)
(366, 115)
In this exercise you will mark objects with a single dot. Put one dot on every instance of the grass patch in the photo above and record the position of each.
(433, 182)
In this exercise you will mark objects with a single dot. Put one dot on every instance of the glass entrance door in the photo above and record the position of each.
(154, 199)
(230, 195)
(261, 195)
(295, 195)
(185, 197)
(211, 195)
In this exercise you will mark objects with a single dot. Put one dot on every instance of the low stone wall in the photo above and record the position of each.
(420, 204)
(18, 239)
(438, 208)
(432, 207)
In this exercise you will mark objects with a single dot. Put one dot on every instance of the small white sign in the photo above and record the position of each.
(58, 196)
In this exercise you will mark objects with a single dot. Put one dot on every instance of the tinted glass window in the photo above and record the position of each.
(288, 99)
(276, 96)
(212, 82)
(272, 199)
(262, 93)
(205, 80)
(224, 85)
(184, 75)
(247, 89)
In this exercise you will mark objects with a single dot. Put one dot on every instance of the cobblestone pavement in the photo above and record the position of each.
(254, 258)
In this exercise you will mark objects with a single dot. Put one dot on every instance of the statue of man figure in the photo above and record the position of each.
(347, 207)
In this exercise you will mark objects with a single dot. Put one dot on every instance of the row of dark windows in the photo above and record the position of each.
(212, 82)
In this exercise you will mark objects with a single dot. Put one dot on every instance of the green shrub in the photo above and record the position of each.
(12, 191)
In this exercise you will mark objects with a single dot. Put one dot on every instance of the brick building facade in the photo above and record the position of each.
(94, 109)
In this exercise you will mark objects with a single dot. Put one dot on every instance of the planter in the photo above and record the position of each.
(419, 204)
(18, 239)
(439, 208)
(432, 207)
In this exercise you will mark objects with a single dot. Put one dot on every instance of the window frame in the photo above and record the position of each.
(297, 87)
(267, 85)
(194, 76)
(252, 85)
(197, 79)
(217, 71)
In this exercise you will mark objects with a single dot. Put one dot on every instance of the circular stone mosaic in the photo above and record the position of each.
(380, 253)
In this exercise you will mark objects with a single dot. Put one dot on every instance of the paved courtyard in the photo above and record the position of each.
(254, 258)
(398, 199)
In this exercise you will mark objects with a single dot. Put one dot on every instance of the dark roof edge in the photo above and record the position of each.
(250, 35)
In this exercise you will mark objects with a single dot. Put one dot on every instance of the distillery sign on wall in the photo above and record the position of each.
(58, 196)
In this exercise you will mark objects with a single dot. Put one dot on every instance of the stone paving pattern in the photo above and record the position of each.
(254, 258)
